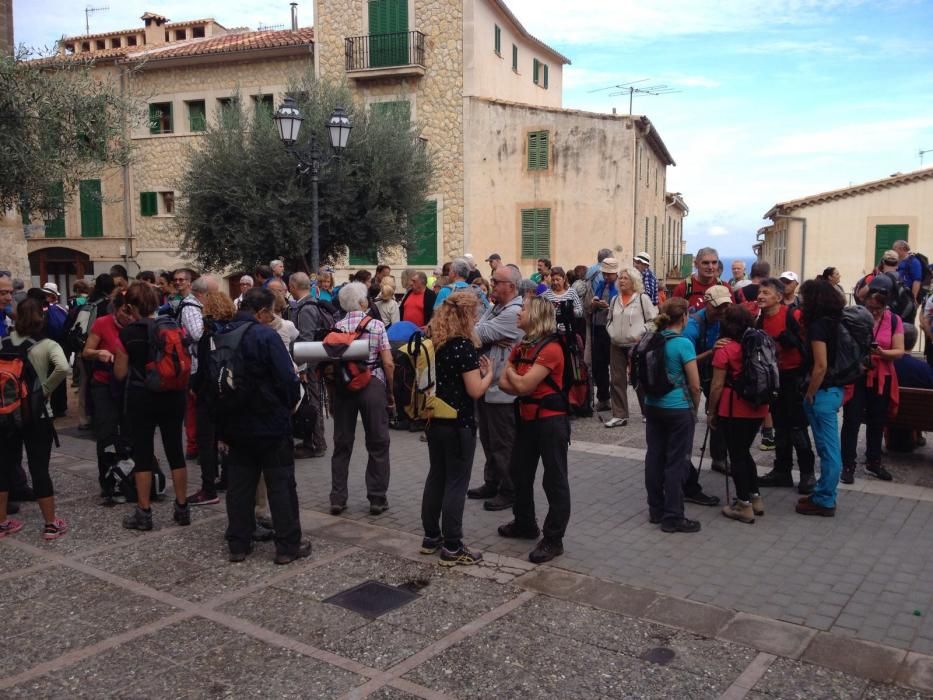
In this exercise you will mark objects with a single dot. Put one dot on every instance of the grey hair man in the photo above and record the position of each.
(498, 332)
(459, 271)
(190, 316)
(246, 283)
(694, 288)
(278, 269)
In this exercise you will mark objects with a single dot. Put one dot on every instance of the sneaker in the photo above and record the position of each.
(484, 492)
(430, 545)
(500, 502)
(378, 507)
(720, 466)
(682, 525)
(806, 485)
(848, 474)
(459, 557)
(55, 529)
(758, 505)
(879, 471)
(808, 507)
(304, 551)
(776, 479)
(702, 499)
(616, 423)
(337, 508)
(139, 519)
(740, 510)
(545, 551)
(182, 514)
(512, 530)
(767, 443)
(202, 498)
(10, 526)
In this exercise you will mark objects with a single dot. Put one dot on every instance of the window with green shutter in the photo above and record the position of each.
(545, 75)
(92, 211)
(148, 204)
(397, 109)
(535, 70)
(367, 256)
(423, 247)
(197, 115)
(514, 58)
(885, 235)
(264, 105)
(536, 233)
(538, 142)
(388, 33)
(55, 228)
(498, 40)
(160, 118)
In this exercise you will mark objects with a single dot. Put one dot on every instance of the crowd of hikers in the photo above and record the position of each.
(245, 384)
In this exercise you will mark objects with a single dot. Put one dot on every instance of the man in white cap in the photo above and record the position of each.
(791, 282)
(643, 265)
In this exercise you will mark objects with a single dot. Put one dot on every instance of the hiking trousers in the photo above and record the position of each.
(545, 439)
(497, 435)
(371, 405)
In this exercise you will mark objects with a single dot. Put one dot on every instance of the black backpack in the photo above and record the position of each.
(926, 282)
(78, 325)
(853, 347)
(227, 381)
(649, 365)
(758, 381)
(326, 316)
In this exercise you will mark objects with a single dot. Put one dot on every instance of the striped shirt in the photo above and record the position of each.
(375, 332)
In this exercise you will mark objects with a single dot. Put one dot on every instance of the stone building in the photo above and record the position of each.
(515, 172)
(849, 228)
(6, 27)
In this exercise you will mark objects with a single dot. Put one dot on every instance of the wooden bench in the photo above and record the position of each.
(915, 410)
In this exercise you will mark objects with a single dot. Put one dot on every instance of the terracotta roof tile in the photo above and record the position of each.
(225, 43)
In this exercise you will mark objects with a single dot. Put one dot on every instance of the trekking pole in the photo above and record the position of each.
(703, 449)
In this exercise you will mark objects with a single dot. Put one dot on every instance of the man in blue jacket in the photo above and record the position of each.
(261, 441)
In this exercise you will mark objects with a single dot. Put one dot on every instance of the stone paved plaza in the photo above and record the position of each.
(789, 607)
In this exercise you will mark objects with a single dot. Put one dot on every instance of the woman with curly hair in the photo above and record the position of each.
(463, 376)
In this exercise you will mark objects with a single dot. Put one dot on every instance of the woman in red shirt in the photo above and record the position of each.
(737, 418)
(534, 374)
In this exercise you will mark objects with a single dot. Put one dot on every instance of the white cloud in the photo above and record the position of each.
(717, 231)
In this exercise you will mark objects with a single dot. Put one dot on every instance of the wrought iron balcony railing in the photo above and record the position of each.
(384, 50)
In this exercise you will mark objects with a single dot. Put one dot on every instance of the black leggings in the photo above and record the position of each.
(148, 410)
(38, 441)
(740, 433)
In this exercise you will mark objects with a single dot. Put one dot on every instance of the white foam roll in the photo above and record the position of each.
(314, 351)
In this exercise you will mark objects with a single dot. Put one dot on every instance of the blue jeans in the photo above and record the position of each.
(823, 416)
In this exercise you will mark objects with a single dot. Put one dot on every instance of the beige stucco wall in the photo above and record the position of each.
(588, 185)
(486, 74)
(841, 233)
(650, 203)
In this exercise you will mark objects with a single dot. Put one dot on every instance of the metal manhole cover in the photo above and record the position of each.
(659, 655)
(372, 598)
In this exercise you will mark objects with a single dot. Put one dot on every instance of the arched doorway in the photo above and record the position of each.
(59, 265)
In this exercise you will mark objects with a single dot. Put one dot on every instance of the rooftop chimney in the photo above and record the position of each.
(155, 28)
(294, 16)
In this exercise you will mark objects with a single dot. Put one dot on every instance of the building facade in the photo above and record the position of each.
(851, 227)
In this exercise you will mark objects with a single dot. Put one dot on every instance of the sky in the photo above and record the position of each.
(777, 99)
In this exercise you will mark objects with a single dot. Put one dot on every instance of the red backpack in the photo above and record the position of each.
(352, 375)
(168, 367)
(21, 398)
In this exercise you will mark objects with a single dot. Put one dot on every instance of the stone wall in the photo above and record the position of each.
(6, 27)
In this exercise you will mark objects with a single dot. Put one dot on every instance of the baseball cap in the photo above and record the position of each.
(643, 258)
(789, 275)
(494, 256)
(718, 295)
(890, 256)
(51, 288)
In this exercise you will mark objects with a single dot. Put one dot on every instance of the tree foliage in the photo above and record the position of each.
(243, 202)
(57, 125)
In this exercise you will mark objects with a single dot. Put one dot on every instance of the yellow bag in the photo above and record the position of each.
(424, 403)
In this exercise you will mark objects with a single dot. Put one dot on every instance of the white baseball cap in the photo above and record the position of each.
(789, 275)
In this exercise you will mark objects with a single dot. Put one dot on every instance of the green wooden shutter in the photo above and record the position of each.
(514, 57)
(155, 123)
(545, 75)
(538, 142)
(498, 41)
(885, 235)
(55, 228)
(535, 69)
(148, 204)
(423, 248)
(92, 214)
(367, 256)
(197, 116)
(536, 233)
(388, 33)
(400, 109)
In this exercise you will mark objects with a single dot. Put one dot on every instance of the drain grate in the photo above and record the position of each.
(372, 598)
(659, 655)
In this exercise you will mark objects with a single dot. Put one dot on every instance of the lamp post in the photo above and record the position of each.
(288, 119)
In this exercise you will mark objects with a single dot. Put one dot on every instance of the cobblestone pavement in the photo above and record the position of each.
(788, 607)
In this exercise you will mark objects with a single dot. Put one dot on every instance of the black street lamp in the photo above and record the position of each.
(288, 119)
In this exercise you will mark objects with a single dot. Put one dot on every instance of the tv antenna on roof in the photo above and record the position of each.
(630, 90)
(265, 27)
(922, 152)
(88, 11)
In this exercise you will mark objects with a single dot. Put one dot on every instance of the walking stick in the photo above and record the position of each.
(703, 449)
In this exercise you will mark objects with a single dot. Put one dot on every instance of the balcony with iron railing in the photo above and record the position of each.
(385, 55)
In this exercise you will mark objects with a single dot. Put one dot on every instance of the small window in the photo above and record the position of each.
(538, 142)
(498, 40)
(115, 43)
(148, 203)
(167, 203)
(85, 46)
(166, 37)
(131, 41)
(536, 233)
(69, 48)
(197, 115)
(399, 110)
(515, 58)
(545, 76)
(263, 105)
(227, 108)
(180, 35)
(535, 71)
(101, 44)
(197, 32)
(160, 118)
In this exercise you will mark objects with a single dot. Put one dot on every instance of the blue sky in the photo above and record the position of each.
(780, 98)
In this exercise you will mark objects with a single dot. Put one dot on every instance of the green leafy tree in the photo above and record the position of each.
(58, 125)
(245, 204)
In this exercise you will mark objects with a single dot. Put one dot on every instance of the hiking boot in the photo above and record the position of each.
(203, 498)
(758, 505)
(879, 471)
(378, 507)
(682, 525)
(459, 557)
(139, 519)
(55, 529)
(237, 557)
(848, 474)
(720, 466)
(500, 502)
(545, 551)
(182, 514)
(485, 491)
(741, 511)
(808, 507)
(806, 485)
(10, 526)
(776, 478)
(304, 551)
(767, 443)
(262, 534)
(519, 532)
(337, 508)
(430, 545)
(702, 499)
